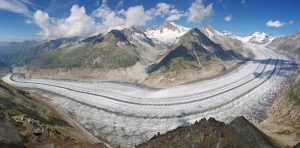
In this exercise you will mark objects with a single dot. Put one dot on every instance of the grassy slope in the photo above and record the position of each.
(283, 122)
(87, 55)
(17, 102)
(293, 90)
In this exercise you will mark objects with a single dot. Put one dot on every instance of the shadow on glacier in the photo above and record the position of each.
(283, 65)
(182, 120)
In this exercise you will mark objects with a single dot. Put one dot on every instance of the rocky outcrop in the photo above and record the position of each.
(8, 135)
(211, 133)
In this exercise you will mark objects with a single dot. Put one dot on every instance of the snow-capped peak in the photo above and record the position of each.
(166, 33)
(259, 38)
(227, 33)
(211, 32)
(179, 27)
(260, 35)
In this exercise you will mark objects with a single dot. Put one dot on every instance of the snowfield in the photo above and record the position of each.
(167, 35)
(128, 115)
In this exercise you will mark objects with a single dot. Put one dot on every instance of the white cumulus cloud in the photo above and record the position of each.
(276, 23)
(120, 19)
(168, 11)
(137, 16)
(198, 11)
(162, 9)
(104, 19)
(228, 18)
(77, 24)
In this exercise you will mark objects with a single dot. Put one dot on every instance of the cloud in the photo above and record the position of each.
(175, 15)
(244, 3)
(198, 12)
(291, 22)
(112, 19)
(77, 24)
(136, 16)
(228, 18)
(15, 6)
(276, 23)
(29, 21)
(168, 11)
(104, 19)
(162, 9)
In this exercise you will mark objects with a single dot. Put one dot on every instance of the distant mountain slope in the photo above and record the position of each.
(211, 133)
(111, 50)
(195, 49)
(148, 49)
(20, 53)
(288, 44)
(193, 57)
(226, 40)
(132, 55)
(12, 52)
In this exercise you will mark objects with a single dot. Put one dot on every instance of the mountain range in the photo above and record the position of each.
(163, 53)
(289, 45)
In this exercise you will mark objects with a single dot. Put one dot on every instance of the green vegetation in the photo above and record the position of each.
(88, 55)
(14, 112)
(16, 103)
(178, 64)
(54, 119)
(181, 63)
(293, 90)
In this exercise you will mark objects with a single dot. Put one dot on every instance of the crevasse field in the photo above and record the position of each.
(128, 115)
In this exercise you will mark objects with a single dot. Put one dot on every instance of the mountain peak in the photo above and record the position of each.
(167, 32)
(171, 26)
(210, 31)
(259, 38)
(115, 35)
(260, 34)
(208, 27)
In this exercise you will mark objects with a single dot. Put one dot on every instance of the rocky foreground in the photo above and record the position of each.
(212, 133)
(26, 120)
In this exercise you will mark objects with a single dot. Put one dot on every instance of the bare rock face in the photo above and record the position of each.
(227, 40)
(211, 133)
(297, 145)
(8, 135)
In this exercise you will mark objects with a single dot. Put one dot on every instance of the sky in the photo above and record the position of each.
(51, 19)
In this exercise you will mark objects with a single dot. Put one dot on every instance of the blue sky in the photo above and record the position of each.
(41, 19)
